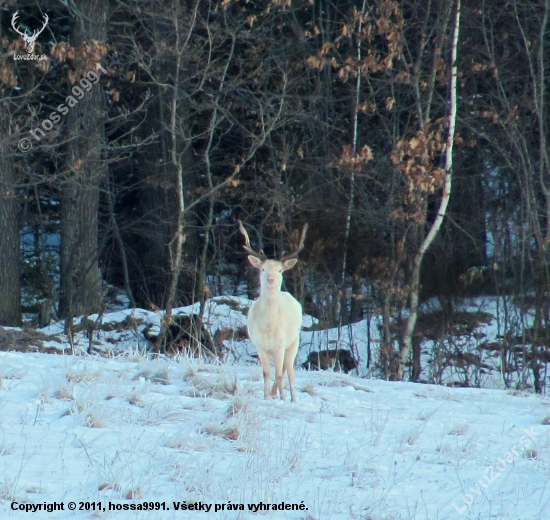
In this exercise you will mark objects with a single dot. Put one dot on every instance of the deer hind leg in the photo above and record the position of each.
(290, 356)
(264, 358)
(278, 359)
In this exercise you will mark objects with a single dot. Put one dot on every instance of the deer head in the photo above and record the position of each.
(29, 40)
(271, 270)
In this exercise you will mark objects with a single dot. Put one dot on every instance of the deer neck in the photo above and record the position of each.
(270, 293)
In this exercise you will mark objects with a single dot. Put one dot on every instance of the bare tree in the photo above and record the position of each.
(511, 117)
(446, 193)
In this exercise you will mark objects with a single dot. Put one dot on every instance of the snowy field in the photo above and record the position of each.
(126, 431)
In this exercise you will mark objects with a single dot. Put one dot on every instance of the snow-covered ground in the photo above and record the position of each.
(122, 429)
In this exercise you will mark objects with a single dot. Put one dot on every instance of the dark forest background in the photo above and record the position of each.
(276, 113)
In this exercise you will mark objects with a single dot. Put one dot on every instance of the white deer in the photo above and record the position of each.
(275, 318)
(30, 40)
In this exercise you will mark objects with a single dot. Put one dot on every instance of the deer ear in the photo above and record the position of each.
(289, 264)
(255, 261)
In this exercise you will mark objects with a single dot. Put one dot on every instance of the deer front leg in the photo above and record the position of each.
(264, 359)
(278, 360)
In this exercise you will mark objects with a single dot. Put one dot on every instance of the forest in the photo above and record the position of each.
(411, 135)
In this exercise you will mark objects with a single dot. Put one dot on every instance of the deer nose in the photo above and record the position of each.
(270, 280)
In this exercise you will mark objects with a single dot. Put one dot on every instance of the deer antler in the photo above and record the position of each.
(300, 245)
(36, 32)
(13, 20)
(261, 255)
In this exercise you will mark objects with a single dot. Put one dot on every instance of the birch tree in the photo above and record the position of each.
(422, 186)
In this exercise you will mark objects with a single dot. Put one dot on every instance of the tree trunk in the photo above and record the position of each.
(85, 167)
(342, 303)
(356, 310)
(10, 285)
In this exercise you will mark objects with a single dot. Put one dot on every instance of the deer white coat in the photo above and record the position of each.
(275, 320)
